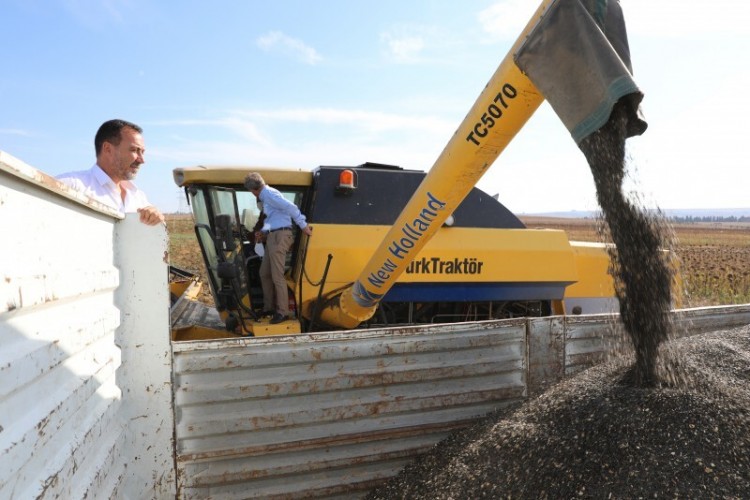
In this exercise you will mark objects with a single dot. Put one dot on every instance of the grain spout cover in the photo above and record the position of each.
(578, 57)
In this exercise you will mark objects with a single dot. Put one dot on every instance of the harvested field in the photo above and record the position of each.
(714, 257)
(184, 251)
(592, 436)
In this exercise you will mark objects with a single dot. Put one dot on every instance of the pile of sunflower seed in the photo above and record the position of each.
(597, 436)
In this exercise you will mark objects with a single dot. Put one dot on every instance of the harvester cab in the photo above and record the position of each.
(225, 216)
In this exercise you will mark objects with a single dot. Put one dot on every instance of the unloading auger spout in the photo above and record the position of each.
(574, 53)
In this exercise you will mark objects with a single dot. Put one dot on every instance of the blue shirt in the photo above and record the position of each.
(279, 211)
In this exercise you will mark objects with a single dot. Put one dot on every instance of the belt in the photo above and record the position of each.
(280, 229)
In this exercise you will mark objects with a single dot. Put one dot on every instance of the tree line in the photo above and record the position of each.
(709, 218)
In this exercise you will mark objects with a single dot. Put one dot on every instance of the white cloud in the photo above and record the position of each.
(686, 18)
(506, 19)
(247, 123)
(15, 131)
(278, 41)
(305, 154)
(403, 49)
(247, 130)
(304, 138)
(363, 119)
(96, 15)
(419, 43)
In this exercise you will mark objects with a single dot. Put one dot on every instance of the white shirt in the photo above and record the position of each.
(96, 184)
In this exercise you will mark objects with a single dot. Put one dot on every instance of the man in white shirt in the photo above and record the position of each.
(119, 155)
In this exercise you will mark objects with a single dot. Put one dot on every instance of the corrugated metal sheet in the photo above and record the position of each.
(588, 339)
(546, 352)
(334, 413)
(58, 396)
(707, 319)
(64, 430)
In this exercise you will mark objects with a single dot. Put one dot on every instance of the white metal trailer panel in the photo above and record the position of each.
(72, 318)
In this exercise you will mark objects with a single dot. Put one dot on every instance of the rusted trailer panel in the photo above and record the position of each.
(337, 412)
(588, 339)
(708, 319)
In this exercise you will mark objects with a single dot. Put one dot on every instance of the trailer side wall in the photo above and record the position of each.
(85, 363)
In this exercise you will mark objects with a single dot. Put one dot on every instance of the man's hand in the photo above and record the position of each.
(151, 216)
(308, 230)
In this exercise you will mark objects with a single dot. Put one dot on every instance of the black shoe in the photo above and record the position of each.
(267, 313)
(278, 318)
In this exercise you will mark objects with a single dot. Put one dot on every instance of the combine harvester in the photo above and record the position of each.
(373, 260)
(482, 263)
(388, 355)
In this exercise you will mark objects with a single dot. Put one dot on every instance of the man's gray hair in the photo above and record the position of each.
(254, 181)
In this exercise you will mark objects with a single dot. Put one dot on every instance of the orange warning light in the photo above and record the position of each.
(346, 179)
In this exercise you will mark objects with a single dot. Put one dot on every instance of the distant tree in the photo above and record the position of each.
(690, 219)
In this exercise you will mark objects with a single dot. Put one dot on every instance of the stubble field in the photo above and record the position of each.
(714, 257)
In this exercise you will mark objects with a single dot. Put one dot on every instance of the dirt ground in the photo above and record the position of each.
(594, 437)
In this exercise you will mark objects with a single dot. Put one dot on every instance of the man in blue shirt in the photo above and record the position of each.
(277, 229)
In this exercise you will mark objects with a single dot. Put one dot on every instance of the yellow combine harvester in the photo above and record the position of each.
(401, 247)
(481, 264)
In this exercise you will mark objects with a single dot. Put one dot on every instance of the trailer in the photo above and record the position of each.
(96, 400)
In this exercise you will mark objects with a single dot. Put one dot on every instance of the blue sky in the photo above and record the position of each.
(334, 82)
